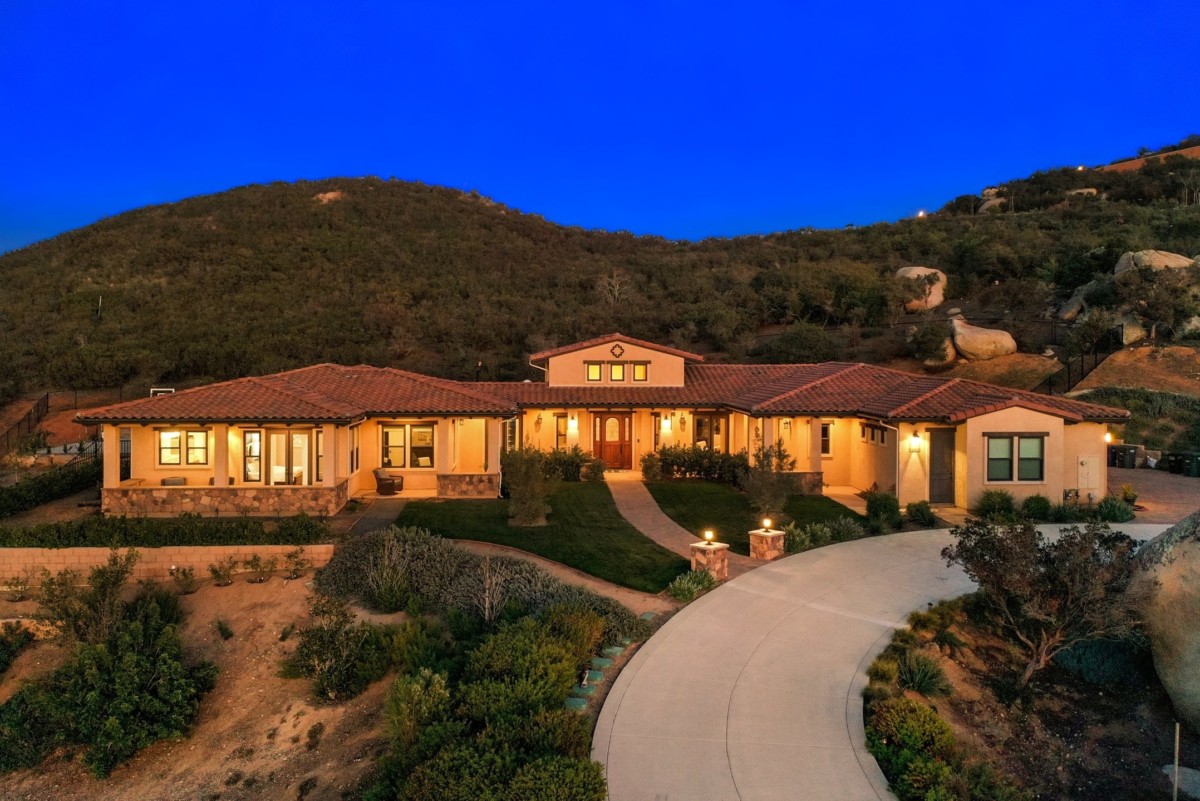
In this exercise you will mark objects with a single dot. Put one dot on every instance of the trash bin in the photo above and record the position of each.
(1112, 455)
(1131, 456)
(1191, 465)
(1174, 462)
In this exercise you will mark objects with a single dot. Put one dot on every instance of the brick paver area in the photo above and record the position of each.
(1167, 497)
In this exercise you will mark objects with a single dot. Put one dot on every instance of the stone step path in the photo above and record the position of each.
(637, 505)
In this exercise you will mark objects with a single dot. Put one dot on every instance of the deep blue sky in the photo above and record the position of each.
(684, 119)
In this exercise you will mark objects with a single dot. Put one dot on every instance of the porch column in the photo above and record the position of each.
(221, 455)
(329, 453)
(768, 432)
(814, 442)
(111, 436)
(443, 458)
(492, 440)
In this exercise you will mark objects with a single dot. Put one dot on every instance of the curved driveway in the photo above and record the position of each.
(753, 691)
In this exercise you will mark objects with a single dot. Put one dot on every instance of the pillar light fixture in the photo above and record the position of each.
(766, 524)
(914, 443)
(709, 534)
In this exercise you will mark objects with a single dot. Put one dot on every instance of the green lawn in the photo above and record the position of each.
(585, 532)
(697, 505)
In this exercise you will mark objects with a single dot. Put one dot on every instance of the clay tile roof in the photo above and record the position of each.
(321, 393)
(604, 340)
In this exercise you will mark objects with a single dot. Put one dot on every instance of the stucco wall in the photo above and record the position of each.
(843, 437)
(913, 481)
(568, 369)
(1059, 473)
(872, 463)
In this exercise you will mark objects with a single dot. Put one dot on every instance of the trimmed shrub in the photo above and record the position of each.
(652, 467)
(593, 470)
(883, 512)
(997, 506)
(1036, 507)
(529, 481)
(1065, 513)
(1112, 509)
(566, 464)
(920, 513)
(95, 531)
(684, 461)
(687, 586)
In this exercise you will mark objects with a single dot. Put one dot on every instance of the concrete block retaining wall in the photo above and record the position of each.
(152, 563)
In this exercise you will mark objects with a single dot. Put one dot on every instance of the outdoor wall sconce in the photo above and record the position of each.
(709, 534)
(666, 425)
(682, 423)
(572, 424)
(537, 423)
(914, 443)
(1108, 436)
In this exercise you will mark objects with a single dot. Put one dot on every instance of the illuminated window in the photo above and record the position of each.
(616, 371)
(408, 446)
(826, 442)
(593, 371)
(183, 447)
(560, 432)
(640, 371)
(252, 456)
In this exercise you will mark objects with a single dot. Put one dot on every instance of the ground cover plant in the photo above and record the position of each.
(584, 530)
(698, 505)
(14, 638)
(127, 684)
(53, 484)
(1094, 725)
(186, 529)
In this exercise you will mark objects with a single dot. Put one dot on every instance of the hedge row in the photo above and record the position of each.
(95, 531)
(683, 461)
(49, 486)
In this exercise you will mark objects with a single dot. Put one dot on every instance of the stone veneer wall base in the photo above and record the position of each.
(211, 501)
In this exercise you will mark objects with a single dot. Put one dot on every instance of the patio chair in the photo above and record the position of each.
(387, 484)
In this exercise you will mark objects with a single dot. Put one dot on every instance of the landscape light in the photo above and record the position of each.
(766, 524)
(709, 534)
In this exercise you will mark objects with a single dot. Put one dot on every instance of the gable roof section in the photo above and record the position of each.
(604, 340)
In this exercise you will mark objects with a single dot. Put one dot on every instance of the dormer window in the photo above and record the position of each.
(616, 372)
(594, 371)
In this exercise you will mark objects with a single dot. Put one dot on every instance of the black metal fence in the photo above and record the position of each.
(11, 438)
(1077, 368)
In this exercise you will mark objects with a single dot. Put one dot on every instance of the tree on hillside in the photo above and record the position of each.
(1049, 595)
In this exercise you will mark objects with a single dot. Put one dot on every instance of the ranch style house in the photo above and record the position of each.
(308, 440)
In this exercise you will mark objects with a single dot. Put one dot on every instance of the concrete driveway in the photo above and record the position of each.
(753, 691)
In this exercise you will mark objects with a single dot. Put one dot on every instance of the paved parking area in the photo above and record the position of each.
(1168, 497)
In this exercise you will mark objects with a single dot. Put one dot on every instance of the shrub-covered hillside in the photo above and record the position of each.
(262, 278)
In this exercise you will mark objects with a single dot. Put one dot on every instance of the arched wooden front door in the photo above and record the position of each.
(612, 439)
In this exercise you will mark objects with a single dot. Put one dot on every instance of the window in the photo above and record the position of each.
(875, 434)
(1026, 452)
(512, 435)
(354, 449)
(183, 447)
(393, 446)
(708, 431)
(593, 371)
(408, 446)
(560, 432)
(319, 447)
(655, 420)
(641, 371)
(826, 443)
(616, 371)
(252, 456)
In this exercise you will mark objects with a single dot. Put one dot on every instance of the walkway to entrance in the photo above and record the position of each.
(752, 692)
(637, 505)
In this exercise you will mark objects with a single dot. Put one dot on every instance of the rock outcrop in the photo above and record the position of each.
(992, 205)
(1075, 304)
(1170, 577)
(980, 344)
(1132, 330)
(934, 295)
(951, 355)
(1150, 260)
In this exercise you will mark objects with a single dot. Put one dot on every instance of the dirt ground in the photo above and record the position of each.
(253, 734)
(1073, 740)
(1019, 371)
(1171, 369)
